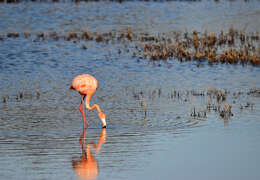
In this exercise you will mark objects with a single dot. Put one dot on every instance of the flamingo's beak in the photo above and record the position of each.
(102, 117)
(104, 124)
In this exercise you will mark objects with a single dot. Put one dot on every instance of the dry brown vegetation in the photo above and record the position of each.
(232, 47)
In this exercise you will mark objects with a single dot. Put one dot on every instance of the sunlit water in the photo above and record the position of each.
(40, 135)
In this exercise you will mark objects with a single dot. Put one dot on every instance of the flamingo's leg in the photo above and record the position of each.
(86, 121)
(81, 109)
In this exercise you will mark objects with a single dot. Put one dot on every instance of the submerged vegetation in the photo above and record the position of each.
(224, 103)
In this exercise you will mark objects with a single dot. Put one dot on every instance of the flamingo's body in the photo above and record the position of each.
(86, 85)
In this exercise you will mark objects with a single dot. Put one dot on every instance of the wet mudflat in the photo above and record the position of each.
(166, 118)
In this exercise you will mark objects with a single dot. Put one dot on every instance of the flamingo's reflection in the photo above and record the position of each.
(87, 166)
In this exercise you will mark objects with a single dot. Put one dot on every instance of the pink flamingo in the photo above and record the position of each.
(86, 85)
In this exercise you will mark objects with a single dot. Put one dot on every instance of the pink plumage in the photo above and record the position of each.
(86, 85)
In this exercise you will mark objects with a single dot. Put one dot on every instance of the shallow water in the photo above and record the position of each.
(40, 134)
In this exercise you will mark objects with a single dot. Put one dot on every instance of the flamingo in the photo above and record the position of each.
(86, 85)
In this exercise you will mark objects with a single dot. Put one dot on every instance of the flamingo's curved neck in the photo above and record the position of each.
(91, 107)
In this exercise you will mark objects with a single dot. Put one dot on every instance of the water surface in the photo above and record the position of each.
(40, 134)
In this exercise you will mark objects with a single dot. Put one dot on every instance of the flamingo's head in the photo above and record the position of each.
(102, 117)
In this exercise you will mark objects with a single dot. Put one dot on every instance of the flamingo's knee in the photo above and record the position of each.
(88, 107)
(80, 108)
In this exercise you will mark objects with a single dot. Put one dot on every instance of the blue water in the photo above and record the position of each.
(40, 134)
